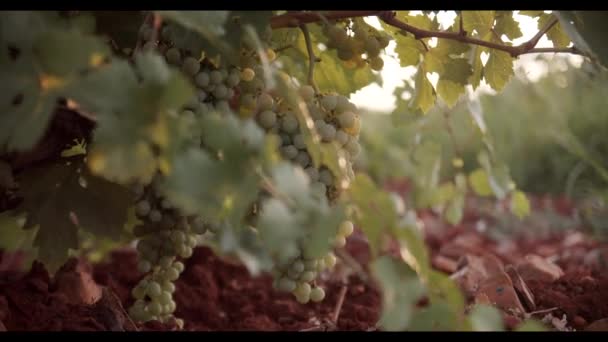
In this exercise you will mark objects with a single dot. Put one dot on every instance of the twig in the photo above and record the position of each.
(288, 46)
(312, 59)
(338, 308)
(461, 30)
(541, 311)
(294, 19)
(354, 265)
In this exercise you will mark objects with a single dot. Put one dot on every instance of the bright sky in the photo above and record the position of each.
(374, 97)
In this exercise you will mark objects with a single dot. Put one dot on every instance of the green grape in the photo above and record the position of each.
(319, 188)
(285, 139)
(383, 40)
(340, 241)
(223, 106)
(307, 93)
(376, 63)
(303, 298)
(186, 252)
(220, 92)
(233, 80)
(171, 274)
(179, 321)
(326, 177)
(341, 137)
(178, 237)
(248, 101)
(310, 264)
(329, 102)
(155, 216)
(298, 266)
(247, 74)
(342, 104)
(198, 226)
(313, 174)
(329, 260)
(303, 159)
(144, 266)
(303, 290)
(317, 294)
(191, 66)
(267, 119)
(153, 289)
(192, 241)
(138, 292)
(287, 285)
(168, 286)
(307, 276)
(166, 261)
(337, 34)
(353, 147)
(154, 308)
(215, 77)
(179, 266)
(173, 56)
(142, 208)
(372, 46)
(315, 112)
(298, 141)
(347, 119)
(289, 123)
(346, 228)
(202, 79)
(265, 102)
(328, 133)
(345, 54)
(289, 151)
(165, 298)
(170, 307)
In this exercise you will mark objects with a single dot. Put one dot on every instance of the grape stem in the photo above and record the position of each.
(338, 308)
(294, 19)
(312, 59)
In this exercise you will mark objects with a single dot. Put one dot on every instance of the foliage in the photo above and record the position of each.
(235, 127)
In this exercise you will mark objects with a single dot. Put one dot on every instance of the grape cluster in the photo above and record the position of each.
(164, 236)
(362, 46)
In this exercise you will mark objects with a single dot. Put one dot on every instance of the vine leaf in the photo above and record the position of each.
(424, 97)
(479, 21)
(63, 196)
(486, 318)
(499, 69)
(505, 24)
(401, 289)
(520, 206)
(556, 34)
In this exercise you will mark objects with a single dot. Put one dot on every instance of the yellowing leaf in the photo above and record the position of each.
(449, 91)
(505, 24)
(499, 69)
(556, 34)
(520, 206)
(480, 182)
(424, 98)
(408, 49)
(480, 21)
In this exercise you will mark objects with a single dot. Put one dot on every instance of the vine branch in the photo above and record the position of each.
(295, 19)
(312, 59)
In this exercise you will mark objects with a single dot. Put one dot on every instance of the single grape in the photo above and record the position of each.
(247, 74)
(171, 274)
(317, 294)
(166, 262)
(342, 104)
(329, 260)
(298, 141)
(307, 276)
(383, 40)
(303, 159)
(165, 298)
(142, 208)
(173, 56)
(346, 228)
(154, 308)
(267, 119)
(313, 174)
(376, 63)
(153, 289)
(220, 92)
(265, 102)
(287, 285)
(168, 286)
(289, 123)
(307, 93)
(155, 216)
(191, 66)
(285, 139)
(328, 133)
(353, 147)
(345, 54)
(347, 119)
(248, 101)
(372, 46)
(298, 266)
(326, 177)
(202, 79)
(215, 77)
(138, 292)
(289, 151)
(341, 137)
(303, 289)
(329, 102)
(144, 266)
(179, 266)
(233, 80)
(340, 241)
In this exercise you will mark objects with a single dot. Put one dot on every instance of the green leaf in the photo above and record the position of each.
(63, 196)
(486, 318)
(408, 49)
(454, 211)
(520, 206)
(505, 24)
(401, 289)
(480, 21)
(532, 14)
(413, 250)
(420, 21)
(480, 182)
(424, 98)
(556, 34)
(436, 317)
(375, 210)
(449, 91)
(499, 69)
